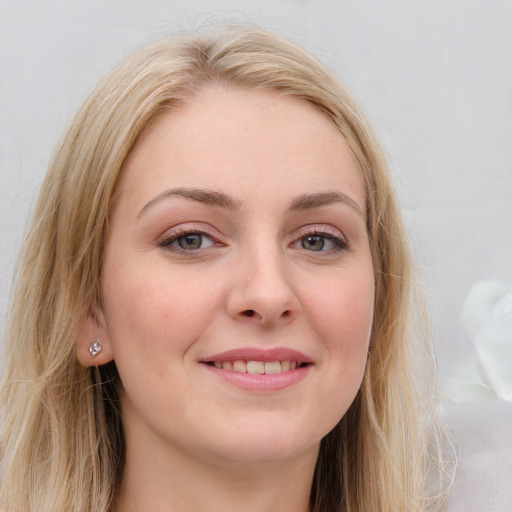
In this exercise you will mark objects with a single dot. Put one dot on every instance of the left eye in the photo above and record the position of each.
(319, 242)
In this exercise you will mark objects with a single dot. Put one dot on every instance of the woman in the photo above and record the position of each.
(213, 303)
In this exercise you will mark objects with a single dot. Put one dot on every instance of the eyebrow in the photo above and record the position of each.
(307, 201)
(211, 197)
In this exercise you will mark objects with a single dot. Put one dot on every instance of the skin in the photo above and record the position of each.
(256, 281)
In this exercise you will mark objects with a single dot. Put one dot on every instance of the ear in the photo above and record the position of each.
(93, 328)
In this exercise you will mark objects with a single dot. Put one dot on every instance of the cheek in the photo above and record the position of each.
(343, 309)
(156, 314)
(341, 316)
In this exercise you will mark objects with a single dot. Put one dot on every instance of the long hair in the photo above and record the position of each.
(61, 444)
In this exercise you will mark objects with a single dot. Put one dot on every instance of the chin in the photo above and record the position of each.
(266, 442)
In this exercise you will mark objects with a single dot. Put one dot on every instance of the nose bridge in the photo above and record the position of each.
(264, 290)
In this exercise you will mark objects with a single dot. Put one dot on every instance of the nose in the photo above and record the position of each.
(263, 291)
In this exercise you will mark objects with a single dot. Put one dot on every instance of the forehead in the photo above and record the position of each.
(239, 142)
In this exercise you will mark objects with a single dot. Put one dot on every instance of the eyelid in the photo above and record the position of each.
(172, 234)
(326, 231)
(319, 230)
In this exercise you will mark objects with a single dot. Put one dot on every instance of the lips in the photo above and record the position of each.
(253, 368)
(258, 354)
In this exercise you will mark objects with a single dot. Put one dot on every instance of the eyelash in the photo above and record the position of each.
(339, 243)
(168, 241)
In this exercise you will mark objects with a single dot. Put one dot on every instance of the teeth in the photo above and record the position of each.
(240, 366)
(257, 367)
(272, 367)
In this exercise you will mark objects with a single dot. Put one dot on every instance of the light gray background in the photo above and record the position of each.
(435, 78)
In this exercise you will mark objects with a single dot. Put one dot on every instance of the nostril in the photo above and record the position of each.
(251, 312)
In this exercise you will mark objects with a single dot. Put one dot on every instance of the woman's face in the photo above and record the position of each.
(237, 287)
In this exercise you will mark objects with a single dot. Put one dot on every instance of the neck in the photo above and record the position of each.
(166, 480)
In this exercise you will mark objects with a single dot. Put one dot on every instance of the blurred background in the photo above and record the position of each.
(435, 79)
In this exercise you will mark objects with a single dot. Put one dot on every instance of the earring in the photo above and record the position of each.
(95, 348)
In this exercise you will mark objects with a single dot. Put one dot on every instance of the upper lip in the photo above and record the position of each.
(259, 354)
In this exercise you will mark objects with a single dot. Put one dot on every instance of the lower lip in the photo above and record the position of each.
(255, 382)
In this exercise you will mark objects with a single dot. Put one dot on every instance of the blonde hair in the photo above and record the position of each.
(61, 443)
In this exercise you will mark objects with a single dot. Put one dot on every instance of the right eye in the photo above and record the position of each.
(187, 241)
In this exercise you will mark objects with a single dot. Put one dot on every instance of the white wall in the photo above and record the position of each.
(434, 76)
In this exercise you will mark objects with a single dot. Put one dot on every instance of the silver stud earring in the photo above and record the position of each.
(95, 348)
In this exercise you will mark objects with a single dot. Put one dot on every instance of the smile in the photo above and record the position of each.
(257, 367)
